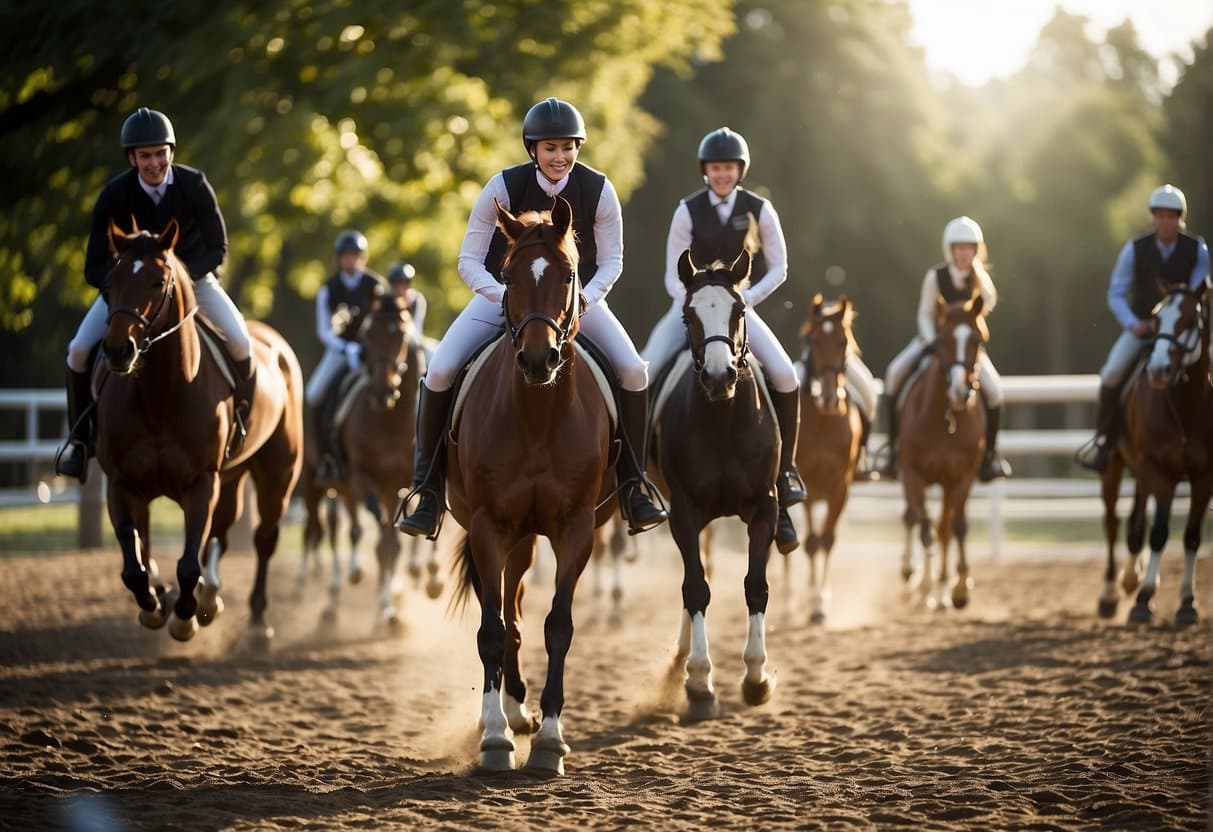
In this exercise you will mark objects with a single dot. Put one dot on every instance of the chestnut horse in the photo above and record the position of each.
(530, 456)
(1168, 419)
(164, 417)
(943, 438)
(830, 429)
(716, 447)
(376, 438)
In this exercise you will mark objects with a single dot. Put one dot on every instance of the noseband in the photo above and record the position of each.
(1198, 324)
(738, 352)
(146, 322)
(562, 331)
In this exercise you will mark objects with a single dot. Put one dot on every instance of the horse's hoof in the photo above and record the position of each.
(497, 754)
(1140, 614)
(153, 619)
(415, 571)
(757, 693)
(183, 629)
(548, 761)
(208, 614)
(1186, 615)
(701, 705)
(356, 576)
(329, 615)
(395, 624)
(260, 638)
(817, 617)
(960, 601)
(433, 589)
(1107, 608)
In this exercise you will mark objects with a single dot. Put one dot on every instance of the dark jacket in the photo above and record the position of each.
(1149, 269)
(711, 240)
(356, 302)
(202, 244)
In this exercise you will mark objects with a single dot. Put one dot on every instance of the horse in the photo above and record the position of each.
(942, 440)
(530, 456)
(830, 431)
(164, 418)
(1168, 420)
(716, 454)
(376, 437)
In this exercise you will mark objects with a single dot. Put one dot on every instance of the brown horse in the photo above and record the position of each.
(830, 428)
(1168, 420)
(164, 416)
(376, 438)
(530, 456)
(716, 447)
(943, 438)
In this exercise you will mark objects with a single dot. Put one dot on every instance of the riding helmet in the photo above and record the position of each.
(145, 128)
(552, 119)
(350, 241)
(724, 145)
(401, 273)
(960, 230)
(1169, 198)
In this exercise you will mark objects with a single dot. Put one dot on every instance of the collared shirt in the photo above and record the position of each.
(930, 293)
(770, 232)
(608, 235)
(1123, 272)
(324, 316)
(156, 193)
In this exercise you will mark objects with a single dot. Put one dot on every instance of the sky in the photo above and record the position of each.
(977, 40)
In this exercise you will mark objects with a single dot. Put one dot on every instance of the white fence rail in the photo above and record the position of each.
(32, 448)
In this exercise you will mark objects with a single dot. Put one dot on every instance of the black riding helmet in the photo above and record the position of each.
(552, 119)
(144, 128)
(350, 241)
(401, 273)
(723, 145)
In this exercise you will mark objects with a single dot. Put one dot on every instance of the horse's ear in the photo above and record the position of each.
(168, 237)
(816, 303)
(686, 268)
(117, 239)
(977, 304)
(134, 225)
(562, 216)
(741, 266)
(507, 222)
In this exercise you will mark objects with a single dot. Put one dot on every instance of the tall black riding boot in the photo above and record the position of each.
(1094, 455)
(889, 471)
(993, 466)
(863, 470)
(634, 500)
(429, 473)
(789, 488)
(246, 383)
(72, 459)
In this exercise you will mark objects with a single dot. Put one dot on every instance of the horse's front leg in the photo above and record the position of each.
(819, 576)
(125, 509)
(960, 530)
(313, 531)
(572, 547)
(350, 499)
(518, 561)
(756, 685)
(686, 524)
(1109, 492)
(387, 556)
(198, 505)
(1202, 492)
(1135, 537)
(483, 549)
(1164, 492)
(917, 580)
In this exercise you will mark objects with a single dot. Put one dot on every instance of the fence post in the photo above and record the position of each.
(92, 499)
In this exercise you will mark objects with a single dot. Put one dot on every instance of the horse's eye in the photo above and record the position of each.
(159, 284)
(570, 277)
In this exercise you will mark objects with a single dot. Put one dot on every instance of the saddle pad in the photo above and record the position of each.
(349, 395)
(679, 368)
(482, 357)
(911, 380)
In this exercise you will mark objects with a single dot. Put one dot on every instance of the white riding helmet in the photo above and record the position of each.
(961, 230)
(1169, 197)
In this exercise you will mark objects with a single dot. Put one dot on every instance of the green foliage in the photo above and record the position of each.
(1187, 136)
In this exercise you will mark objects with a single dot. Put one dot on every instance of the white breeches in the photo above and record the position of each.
(903, 364)
(862, 386)
(667, 339)
(327, 371)
(481, 319)
(213, 302)
(1125, 351)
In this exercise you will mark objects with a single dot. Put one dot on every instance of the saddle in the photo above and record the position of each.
(600, 368)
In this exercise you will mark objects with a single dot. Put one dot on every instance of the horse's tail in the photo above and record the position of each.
(467, 580)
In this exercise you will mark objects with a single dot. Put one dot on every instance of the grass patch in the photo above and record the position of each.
(45, 528)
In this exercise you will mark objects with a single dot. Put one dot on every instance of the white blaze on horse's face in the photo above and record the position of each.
(713, 306)
(538, 266)
(958, 376)
(1168, 316)
(827, 326)
(135, 268)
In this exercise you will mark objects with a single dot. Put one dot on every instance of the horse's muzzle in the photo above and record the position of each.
(538, 366)
(121, 360)
(721, 386)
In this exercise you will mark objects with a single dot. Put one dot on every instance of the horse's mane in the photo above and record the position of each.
(704, 277)
(387, 306)
(144, 243)
(539, 224)
(960, 311)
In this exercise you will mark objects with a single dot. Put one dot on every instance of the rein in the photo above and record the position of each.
(739, 353)
(562, 332)
(1181, 365)
(148, 341)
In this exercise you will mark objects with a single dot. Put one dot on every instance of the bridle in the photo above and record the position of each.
(570, 310)
(738, 350)
(146, 322)
(1175, 339)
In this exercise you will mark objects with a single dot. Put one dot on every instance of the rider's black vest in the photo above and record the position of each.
(712, 240)
(357, 301)
(948, 290)
(582, 191)
(1149, 268)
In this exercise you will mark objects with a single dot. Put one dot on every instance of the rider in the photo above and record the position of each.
(342, 304)
(400, 279)
(552, 132)
(964, 250)
(153, 191)
(1166, 255)
(714, 223)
